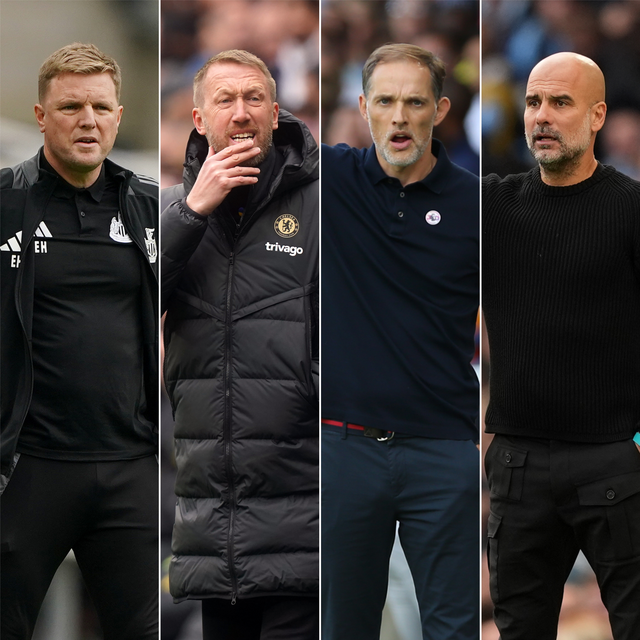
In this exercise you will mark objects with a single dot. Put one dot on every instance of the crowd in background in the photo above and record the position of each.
(516, 34)
(352, 29)
(283, 34)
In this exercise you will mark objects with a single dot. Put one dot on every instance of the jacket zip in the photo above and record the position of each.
(122, 191)
(227, 434)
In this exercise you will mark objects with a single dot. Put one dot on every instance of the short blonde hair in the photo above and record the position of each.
(236, 56)
(77, 58)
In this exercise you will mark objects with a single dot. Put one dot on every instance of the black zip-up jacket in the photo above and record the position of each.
(241, 347)
(24, 192)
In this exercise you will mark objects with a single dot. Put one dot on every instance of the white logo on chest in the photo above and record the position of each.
(117, 231)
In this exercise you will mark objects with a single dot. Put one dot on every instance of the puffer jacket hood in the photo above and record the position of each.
(293, 141)
(241, 344)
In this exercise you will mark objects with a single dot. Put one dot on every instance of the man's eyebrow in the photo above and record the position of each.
(563, 98)
(536, 96)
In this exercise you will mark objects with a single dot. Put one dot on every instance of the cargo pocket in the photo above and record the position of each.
(493, 525)
(619, 497)
(505, 471)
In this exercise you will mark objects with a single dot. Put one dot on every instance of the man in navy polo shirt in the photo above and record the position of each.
(399, 395)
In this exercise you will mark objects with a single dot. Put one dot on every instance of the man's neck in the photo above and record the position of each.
(412, 173)
(570, 175)
(80, 180)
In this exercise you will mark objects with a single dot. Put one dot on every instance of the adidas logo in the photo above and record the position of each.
(14, 244)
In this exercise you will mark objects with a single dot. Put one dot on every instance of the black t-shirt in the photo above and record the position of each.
(88, 395)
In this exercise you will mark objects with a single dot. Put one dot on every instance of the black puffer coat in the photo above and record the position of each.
(241, 345)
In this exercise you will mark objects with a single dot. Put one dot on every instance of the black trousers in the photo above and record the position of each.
(262, 618)
(107, 512)
(549, 500)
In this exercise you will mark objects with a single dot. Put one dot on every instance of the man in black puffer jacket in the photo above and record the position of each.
(240, 287)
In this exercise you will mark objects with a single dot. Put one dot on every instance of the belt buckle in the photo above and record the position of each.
(372, 432)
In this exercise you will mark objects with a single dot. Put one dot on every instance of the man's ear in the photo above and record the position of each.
(598, 115)
(39, 111)
(119, 117)
(444, 104)
(198, 121)
(276, 111)
(363, 107)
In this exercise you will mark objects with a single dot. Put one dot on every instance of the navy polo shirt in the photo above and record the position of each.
(400, 292)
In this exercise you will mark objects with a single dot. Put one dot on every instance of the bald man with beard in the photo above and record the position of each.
(561, 297)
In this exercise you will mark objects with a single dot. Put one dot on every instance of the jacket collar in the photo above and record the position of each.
(292, 140)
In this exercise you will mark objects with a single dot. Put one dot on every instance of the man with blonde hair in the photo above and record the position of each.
(79, 359)
(240, 287)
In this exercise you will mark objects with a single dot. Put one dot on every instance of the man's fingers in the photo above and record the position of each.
(237, 153)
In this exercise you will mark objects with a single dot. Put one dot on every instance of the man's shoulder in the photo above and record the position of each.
(20, 176)
(139, 184)
(341, 153)
(513, 182)
(144, 185)
(461, 178)
(625, 182)
(168, 195)
(6, 178)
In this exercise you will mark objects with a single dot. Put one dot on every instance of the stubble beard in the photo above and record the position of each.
(263, 139)
(393, 157)
(571, 148)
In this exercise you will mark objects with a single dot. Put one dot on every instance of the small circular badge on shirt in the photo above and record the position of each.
(286, 225)
(433, 217)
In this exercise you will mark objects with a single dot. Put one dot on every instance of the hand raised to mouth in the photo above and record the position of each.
(220, 173)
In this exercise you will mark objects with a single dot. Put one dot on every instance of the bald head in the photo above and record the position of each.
(564, 111)
(577, 72)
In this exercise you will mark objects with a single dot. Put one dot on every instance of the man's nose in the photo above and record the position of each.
(543, 115)
(239, 111)
(398, 115)
(87, 117)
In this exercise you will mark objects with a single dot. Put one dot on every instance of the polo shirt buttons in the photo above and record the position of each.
(611, 494)
(400, 214)
(402, 194)
(83, 214)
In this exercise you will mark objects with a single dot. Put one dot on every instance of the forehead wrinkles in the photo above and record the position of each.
(236, 79)
(81, 89)
(401, 80)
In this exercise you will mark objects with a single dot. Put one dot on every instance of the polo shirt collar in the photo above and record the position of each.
(65, 190)
(434, 181)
